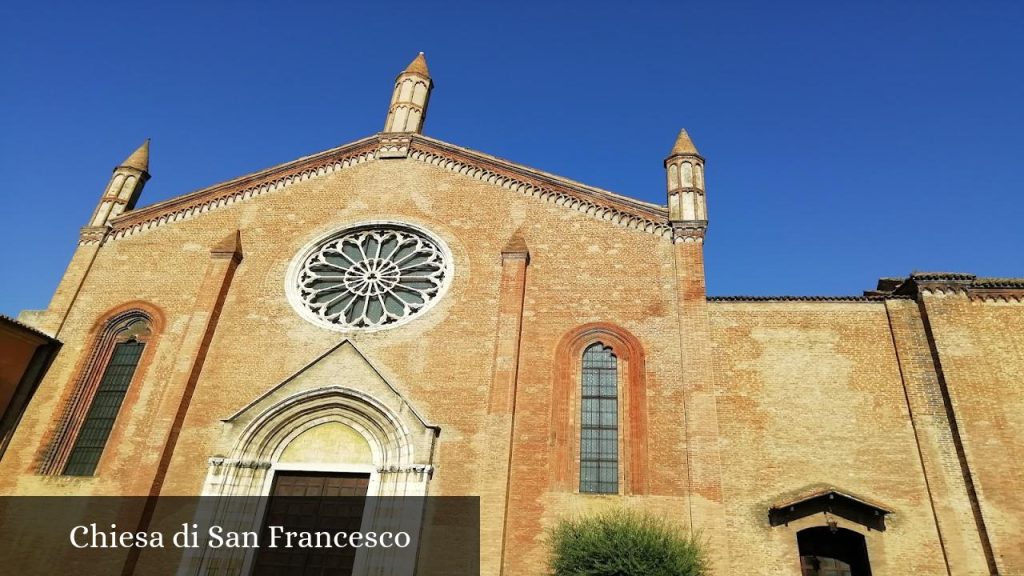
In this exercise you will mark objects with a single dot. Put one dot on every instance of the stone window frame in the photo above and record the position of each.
(106, 333)
(566, 408)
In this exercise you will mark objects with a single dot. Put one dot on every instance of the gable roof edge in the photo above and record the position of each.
(244, 187)
(601, 204)
(596, 202)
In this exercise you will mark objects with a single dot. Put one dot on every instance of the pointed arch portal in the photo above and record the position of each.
(312, 426)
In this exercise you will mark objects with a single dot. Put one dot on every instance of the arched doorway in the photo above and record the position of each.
(316, 443)
(832, 551)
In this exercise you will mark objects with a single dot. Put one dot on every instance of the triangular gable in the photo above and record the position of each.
(342, 365)
(600, 204)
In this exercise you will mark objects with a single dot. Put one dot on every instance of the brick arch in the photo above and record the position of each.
(153, 314)
(565, 405)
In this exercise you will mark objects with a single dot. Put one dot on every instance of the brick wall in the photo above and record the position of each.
(747, 404)
(980, 347)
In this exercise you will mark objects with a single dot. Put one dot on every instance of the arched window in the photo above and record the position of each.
(599, 423)
(96, 401)
(599, 412)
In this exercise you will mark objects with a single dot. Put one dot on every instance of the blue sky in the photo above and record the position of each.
(844, 141)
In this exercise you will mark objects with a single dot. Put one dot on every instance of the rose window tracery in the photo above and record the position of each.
(371, 277)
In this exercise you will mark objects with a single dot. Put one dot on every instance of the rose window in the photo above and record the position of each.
(371, 277)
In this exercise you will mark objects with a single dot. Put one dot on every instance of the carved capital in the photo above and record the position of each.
(217, 462)
(422, 469)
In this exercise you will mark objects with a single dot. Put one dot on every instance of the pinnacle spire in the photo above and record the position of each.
(687, 204)
(418, 66)
(124, 187)
(683, 145)
(409, 100)
(139, 159)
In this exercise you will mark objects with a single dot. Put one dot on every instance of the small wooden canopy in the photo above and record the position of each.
(830, 501)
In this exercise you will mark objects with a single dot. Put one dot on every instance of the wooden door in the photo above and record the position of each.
(312, 502)
(822, 566)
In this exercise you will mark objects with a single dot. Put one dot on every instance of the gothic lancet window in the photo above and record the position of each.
(598, 421)
(99, 421)
(599, 428)
(93, 409)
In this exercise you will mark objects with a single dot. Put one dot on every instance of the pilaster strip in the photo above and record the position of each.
(961, 547)
(510, 320)
(700, 409)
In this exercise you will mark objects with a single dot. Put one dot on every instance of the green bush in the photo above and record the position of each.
(624, 544)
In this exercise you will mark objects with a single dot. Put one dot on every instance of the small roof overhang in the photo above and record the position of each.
(830, 501)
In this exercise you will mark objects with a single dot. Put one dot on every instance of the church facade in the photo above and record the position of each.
(418, 318)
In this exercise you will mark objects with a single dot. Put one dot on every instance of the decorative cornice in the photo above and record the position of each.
(976, 294)
(595, 202)
(217, 462)
(600, 204)
(686, 231)
(394, 145)
(244, 188)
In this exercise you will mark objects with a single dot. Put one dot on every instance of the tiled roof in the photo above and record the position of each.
(943, 276)
(21, 325)
(947, 281)
(998, 283)
(794, 298)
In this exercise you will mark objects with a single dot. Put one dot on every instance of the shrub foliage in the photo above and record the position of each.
(624, 543)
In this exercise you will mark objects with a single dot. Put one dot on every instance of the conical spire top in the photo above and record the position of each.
(124, 188)
(418, 66)
(410, 97)
(139, 159)
(684, 145)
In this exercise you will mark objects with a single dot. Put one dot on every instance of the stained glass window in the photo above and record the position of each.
(599, 429)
